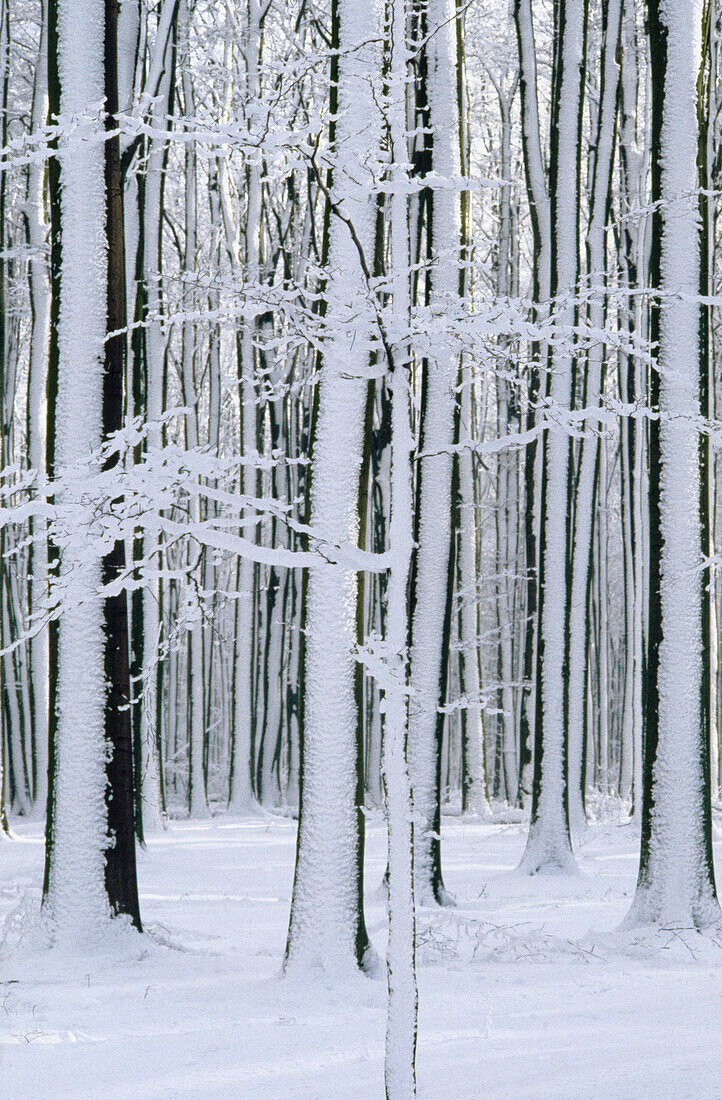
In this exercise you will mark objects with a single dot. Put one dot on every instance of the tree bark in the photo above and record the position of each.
(676, 884)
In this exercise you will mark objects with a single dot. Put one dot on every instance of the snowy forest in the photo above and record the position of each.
(360, 515)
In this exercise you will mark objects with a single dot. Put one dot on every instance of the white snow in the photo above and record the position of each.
(516, 998)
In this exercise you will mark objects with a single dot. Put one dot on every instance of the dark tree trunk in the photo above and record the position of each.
(650, 685)
(5, 770)
(120, 871)
(692, 888)
(52, 401)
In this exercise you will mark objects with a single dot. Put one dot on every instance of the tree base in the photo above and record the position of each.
(313, 966)
(546, 855)
(654, 909)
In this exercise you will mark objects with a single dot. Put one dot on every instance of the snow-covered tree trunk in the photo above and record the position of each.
(588, 460)
(76, 899)
(4, 678)
(375, 520)
(37, 231)
(540, 215)
(400, 957)
(197, 796)
(475, 796)
(241, 799)
(676, 878)
(402, 1006)
(706, 110)
(634, 268)
(151, 771)
(627, 512)
(431, 609)
(506, 503)
(327, 927)
(548, 844)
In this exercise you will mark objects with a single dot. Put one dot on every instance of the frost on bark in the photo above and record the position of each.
(37, 232)
(401, 1020)
(327, 928)
(76, 898)
(151, 770)
(676, 884)
(507, 507)
(634, 269)
(475, 793)
(4, 61)
(589, 463)
(241, 798)
(90, 860)
(540, 218)
(548, 845)
(196, 687)
(432, 594)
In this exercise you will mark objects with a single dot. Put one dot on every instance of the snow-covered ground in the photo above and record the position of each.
(523, 991)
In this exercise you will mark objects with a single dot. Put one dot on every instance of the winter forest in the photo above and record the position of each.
(360, 522)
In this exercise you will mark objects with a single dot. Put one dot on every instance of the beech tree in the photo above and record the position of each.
(89, 802)
(434, 566)
(548, 846)
(401, 951)
(327, 925)
(120, 872)
(76, 896)
(588, 469)
(676, 876)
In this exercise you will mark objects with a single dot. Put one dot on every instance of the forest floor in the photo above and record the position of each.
(525, 988)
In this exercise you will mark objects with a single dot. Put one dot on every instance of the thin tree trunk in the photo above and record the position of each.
(431, 612)
(120, 871)
(400, 959)
(151, 769)
(197, 795)
(37, 231)
(548, 844)
(588, 460)
(540, 213)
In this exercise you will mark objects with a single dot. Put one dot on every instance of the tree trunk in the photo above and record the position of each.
(76, 898)
(37, 231)
(548, 845)
(589, 448)
(327, 928)
(120, 873)
(676, 885)
(401, 952)
(433, 582)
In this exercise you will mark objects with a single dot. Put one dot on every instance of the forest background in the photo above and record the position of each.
(359, 388)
